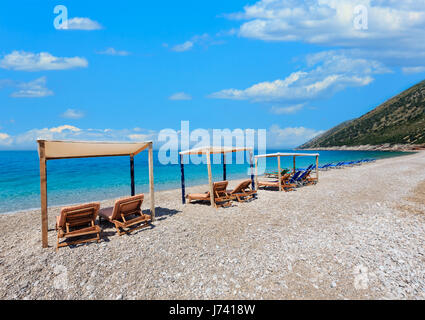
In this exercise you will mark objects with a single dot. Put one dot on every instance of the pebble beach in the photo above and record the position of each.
(357, 234)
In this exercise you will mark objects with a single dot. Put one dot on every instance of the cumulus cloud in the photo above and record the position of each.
(276, 136)
(287, 110)
(395, 26)
(114, 52)
(28, 61)
(203, 40)
(289, 137)
(411, 70)
(72, 114)
(27, 139)
(33, 89)
(5, 139)
(183, 46)
(180, 96)
(139, 137)
(326, 73)
(79, 23)
(331, 21)
(63, 128)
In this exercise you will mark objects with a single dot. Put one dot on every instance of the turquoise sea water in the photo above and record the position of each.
(93, 179)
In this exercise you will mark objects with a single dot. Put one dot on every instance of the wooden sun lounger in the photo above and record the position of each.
(309, 180)
(275, 174)
(242, 192)
(126, 213)
(221, 198)
(77, 221)
(286, 186)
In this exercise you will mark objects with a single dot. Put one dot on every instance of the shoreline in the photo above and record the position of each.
(305, 244)
(162, 189)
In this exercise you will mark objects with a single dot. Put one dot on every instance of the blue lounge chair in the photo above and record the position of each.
(338, 165)
(326, 166)
(300, 180)
(295, 177)
(308, 168)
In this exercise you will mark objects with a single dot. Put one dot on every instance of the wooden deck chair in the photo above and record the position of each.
(221, 198)
(275, 174)
(309, 180)
(284, 180)
(77, 221)
(126, 213)
(243, 192)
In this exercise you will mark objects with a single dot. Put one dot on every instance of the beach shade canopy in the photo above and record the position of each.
(284, 154)
(53, 150)
(208, 151)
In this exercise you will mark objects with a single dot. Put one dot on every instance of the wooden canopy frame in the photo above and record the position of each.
(280, 154)
(208, 151)
(53, 150)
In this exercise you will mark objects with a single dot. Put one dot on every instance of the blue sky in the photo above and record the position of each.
(125, 70)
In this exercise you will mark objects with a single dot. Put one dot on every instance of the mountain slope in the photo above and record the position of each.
(400, 120)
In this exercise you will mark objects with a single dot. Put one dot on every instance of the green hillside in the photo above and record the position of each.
(400, 120)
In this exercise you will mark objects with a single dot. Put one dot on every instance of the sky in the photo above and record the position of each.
(127, 70)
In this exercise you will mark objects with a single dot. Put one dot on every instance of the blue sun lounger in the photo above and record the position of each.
(326, 166)
(299, 181)
(295, 177)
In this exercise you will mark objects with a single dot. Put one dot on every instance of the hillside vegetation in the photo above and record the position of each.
(400, 120)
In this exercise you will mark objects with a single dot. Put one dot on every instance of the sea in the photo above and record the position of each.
(72, 181)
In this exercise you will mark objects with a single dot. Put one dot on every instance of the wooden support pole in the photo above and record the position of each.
(295, 168)
(317, 168)
(210, 179)
(133, 189)
(43, 194)
(256, 173)
(251, 165)
(151, 190)
(182, 176)
(224, 166)
(279, 173)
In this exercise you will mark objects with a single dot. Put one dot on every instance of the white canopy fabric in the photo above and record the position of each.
(279, 154)
(213, 150)
(51, 150)
(208, 150)
(84, 149)
(283, 154)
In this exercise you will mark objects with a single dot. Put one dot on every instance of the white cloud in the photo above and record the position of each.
(79, 23)
(138, 137)
(331, 21)
(28, 61)
(411, 70)
(27, 140)
(73, 114)
(326, 73)
(114, 52)
(183, 47)
(394, 27)
(287, 110)
(276, 136)
(180, 96)
(289, 137)
(226, 33)
(204, 40)
(33, 89)
(5, 139)
(63, 128)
